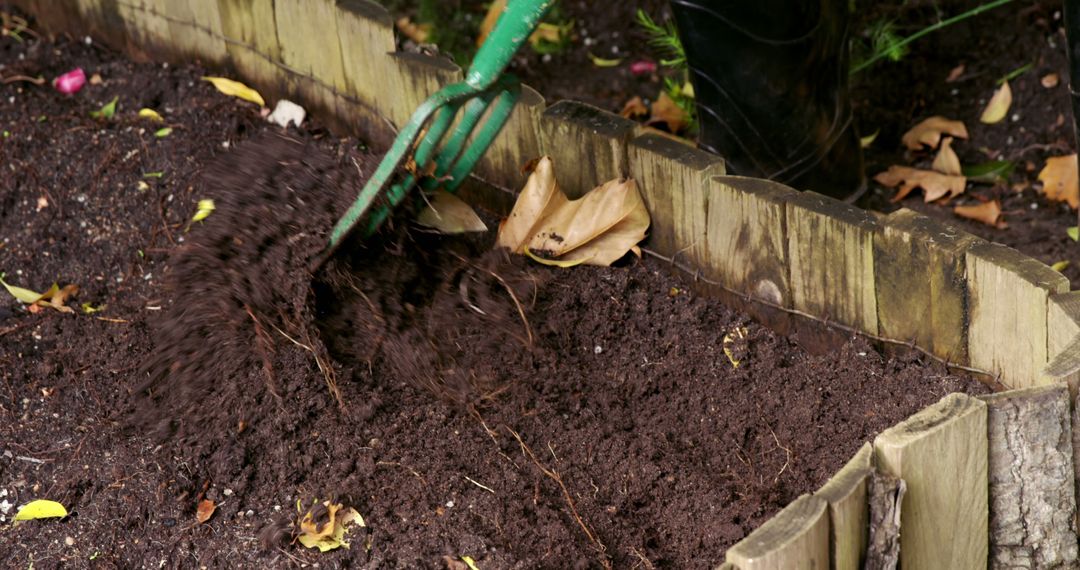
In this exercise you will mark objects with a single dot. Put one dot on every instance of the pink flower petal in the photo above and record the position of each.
(70, 82)
(642, 67)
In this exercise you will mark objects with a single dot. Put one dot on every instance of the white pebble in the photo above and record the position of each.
(449, 504)
(226, 492)
(597, 349)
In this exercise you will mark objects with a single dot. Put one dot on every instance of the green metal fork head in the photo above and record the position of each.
(485, 94)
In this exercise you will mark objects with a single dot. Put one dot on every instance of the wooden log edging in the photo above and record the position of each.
(901, 278)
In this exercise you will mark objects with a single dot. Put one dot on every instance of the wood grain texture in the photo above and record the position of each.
(192, 26)
(413, 78)
(586, 145)
(849, 515)
(672, 176)
(830, 245)
(306, 32)
(1063, 340)
(746, 238)
(1031, 479)
(797, 538)
(366, 40)
(941, 454)
(920, 279)
(1008, 307)
(251, 27)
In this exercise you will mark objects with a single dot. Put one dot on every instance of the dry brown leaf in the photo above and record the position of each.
(634, 108)
(60, 298)
(935, 185)
(665, 110)
(494, 11)
(1049, 81)
(597, 229)
(1060, 180)
(998, 107)
(955, 73)
(929, 132)
(449, 214)
(946, 161)
(418, 33)
(205, 510)
(988, 213)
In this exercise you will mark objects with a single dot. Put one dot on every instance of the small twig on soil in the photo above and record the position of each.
(327, 372)
(786, 450)
(554, 476)
(265, 347)
(377, 343)
(403, 466)
(641, 557)
(17, 327)
(482, 486)
(520, 309)
(26, 78)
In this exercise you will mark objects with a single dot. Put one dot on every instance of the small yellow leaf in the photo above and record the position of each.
(868, 140)
(27, 296)
(1060, 266)
(946, 161)
(553, 262)
(730, 345)
(236, 89)
(468, 560)
(330, 534)
(205, 208)
(601, 62)
(1061, 181)
(929, 131)
(449, 214)
(151, 114)
(89, 309)
(998, 107)
(40, 509)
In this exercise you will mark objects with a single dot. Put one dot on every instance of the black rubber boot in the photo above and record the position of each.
(770, 79)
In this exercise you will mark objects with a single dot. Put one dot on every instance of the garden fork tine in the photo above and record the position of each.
(484, 90)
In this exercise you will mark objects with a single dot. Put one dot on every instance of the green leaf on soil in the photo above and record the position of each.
(1074, 233)
(206, 207)
(468, 560)
(162, 133)
(1016, 73)
(601, 62)
(868, 140)
(989, 172)
(40, 509)
(1060, 266)
(26, 295)
(89, 309)
(107, 111)
(153, 174)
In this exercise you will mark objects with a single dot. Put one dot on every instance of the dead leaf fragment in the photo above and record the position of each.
(666, 110)
(935, 185)
(324, 526)
(988, 213)
(998, 107)
(205, 510)
(596, 229)
(448, 214)
(418, 33)
(955, 73)
(1049, 81)
(929, 131)
(634, 108)
(946, 161)
(1060, 180)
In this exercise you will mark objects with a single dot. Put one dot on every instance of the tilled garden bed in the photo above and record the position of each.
(464, 402)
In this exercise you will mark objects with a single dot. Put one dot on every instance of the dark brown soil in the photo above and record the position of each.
(600, 423)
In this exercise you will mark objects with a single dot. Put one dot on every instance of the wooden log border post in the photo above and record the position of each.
(965, 483)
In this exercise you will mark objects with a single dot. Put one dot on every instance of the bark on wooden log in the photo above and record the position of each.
(886, 495)
(1031, 480)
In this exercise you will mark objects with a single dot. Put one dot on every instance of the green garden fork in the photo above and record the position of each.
(484, 91)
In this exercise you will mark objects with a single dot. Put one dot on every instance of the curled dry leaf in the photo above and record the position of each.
(597, 229)
(1060, 180)
(998, 107)
(418, 33)
(205, 510)
(328, 534)
(935, 185)
(946, 161)
(666, 110)
(929, 131)
(634, 108)
(448, 214)
(988, 213)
